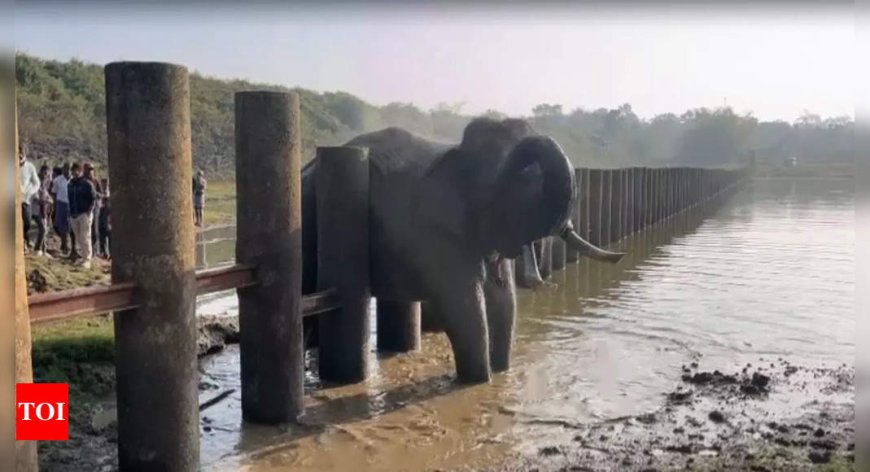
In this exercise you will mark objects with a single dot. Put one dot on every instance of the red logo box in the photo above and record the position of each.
(41, 412)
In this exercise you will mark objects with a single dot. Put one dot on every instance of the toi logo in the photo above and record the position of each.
(42, 412)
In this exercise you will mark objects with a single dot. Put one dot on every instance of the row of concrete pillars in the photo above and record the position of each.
(614, 203)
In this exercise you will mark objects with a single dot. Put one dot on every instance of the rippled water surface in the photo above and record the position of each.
(769, 273)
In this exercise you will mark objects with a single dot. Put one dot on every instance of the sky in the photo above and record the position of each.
(775, 63)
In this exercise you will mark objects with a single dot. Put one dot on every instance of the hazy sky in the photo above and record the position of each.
(775, 64)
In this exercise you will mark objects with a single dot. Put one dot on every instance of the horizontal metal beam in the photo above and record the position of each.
(66, 304)
(78, 302)
(320, 302)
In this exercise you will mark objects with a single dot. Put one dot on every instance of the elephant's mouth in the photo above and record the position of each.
(585, 248)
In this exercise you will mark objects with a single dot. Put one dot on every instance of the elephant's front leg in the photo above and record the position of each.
(462, 309)
(500, 292)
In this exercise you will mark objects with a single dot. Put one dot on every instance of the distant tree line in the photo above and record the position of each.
(62, 117)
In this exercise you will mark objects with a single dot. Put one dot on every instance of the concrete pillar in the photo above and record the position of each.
(681, 183)
(26, 459)
(652, 200)
(343, 261)
(662, 191)
(652, 207)
(628, 214)
(594, 199)
(691, 190)
(398, 325)
(150, 166)
(606, 210)
(616, 201)
(639, 176)
(678, 191)
(583, 203)
(687, 176)
(269, 237)
(647, 196)
(571, 255)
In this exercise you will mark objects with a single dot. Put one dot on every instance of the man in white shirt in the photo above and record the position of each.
(61, 210)
(29, 187)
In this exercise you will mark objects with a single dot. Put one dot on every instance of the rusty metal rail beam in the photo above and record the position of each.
(67, 304)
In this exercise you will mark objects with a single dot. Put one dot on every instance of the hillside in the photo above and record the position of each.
(62, 117)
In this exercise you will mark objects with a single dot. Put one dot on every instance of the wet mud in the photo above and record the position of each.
(775, 416)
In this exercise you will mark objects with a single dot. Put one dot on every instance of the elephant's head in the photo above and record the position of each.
(530, 195)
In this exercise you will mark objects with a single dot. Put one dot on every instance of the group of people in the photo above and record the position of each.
(71, 198)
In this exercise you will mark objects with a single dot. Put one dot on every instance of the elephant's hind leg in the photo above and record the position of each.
(463, 313)
(500, 292)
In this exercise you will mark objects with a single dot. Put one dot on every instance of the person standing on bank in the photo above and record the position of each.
(41, 208)
(73, 252)
(29, 189)
(91, 175)
(61, 209)
(199, 184)
(105, 226)
(82, 199)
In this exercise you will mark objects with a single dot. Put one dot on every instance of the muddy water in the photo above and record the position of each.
(771, 273)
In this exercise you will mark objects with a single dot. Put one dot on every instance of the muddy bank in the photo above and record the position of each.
(773, 416)
(93, 433)
(55, 272)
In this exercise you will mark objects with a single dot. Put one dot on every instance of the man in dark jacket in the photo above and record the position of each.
(82, 198)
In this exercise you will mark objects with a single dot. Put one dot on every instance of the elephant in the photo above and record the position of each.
(447, 220)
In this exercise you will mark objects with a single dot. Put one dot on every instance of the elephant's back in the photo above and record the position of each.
(399, 159)
(398, 152)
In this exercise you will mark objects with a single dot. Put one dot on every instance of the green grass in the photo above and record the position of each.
(80, 353)
(220, 204)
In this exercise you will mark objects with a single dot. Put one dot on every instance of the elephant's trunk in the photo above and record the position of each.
(585, 248)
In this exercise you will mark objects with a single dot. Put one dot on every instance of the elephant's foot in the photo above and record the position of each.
(500, 361)
(472, 372)
(544, 285)
(532, 281)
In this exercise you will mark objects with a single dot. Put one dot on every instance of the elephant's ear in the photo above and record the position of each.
(443, 199)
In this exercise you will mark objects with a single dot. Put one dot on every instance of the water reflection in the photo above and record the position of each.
(770, 273)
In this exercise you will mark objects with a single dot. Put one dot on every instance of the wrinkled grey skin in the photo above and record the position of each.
(446, 220)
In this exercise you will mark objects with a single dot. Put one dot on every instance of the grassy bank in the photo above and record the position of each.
(220, 204)
(69, 352)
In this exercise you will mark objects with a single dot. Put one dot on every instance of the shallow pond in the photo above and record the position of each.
(769, 273)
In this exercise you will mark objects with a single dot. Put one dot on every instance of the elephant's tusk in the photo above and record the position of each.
(585, 248)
